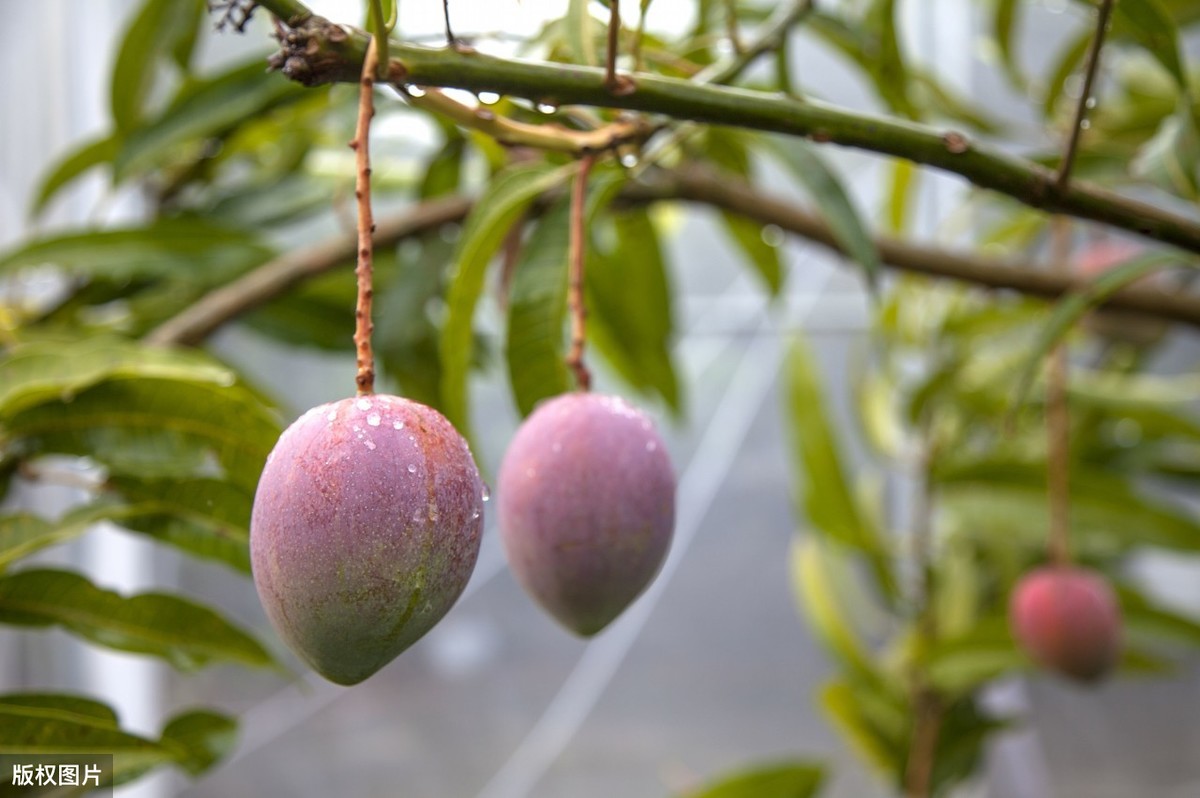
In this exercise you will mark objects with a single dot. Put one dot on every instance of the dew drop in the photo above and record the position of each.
(363, 404)
(397, 425)
(487, 494)
(373, 419)
(370, 444)
(412, 468)
(629, 160)
(414, 91)
(332, 415)
(488, 97)
(547, 108)
(475, 515)
(651, 446)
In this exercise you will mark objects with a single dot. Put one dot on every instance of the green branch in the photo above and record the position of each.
(315, 51)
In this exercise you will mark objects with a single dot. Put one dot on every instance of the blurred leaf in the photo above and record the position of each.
(317, 313)
(581, 35)
(162, 29)
(406, 339)
(903, 175)
(1072, 308)
(70, 707)
(828, 502)
(1005, 20)
(961, 664)
(789, 779)
(760, 253)
(203, 109)
(629, 303)
(186, 634)
(815, 572)
(443, 173)
(1070, 56)
(77, 162)
(503, 202)
(1171, 159)
(833, 203)
(199, 739)
(184, 249)
(879, 745)
(1141, 615)
(1149, 23)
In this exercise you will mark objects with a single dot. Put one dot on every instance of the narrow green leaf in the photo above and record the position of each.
(203, 109)
(184, 633)
(833, 203)
(22, 534)
(156, 428)
(406, 339)
(829, 503)
(762, 254)
(500, 206)
(788, 779)
(537, 299)
(629, 303)
(1073, 307)
(1149, 23)
(443, 173)
(842, 701)
(1171, 158)
(903, 176)
(34, 731)
(813, 580)
(184, 249)
(54, 371)
(86, 156)
(65, 707)
(156, 33)
(199, 739)
(1070, 56)
(1005, 21)
(581, 33)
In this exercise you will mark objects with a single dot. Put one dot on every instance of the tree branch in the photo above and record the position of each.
(274, 278)
(1079, 121)
(317, 51)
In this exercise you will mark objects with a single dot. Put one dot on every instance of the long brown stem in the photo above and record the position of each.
(577, 255)
(1079, 122)
(365, 377)
(1058, 423)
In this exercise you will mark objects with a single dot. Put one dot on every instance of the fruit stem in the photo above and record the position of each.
(1058, 421)
(1085, 97)
(577, 256)
(365, 377)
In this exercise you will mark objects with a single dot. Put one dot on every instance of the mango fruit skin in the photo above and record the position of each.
(1068, 620)
(365, 529)
(586, 507)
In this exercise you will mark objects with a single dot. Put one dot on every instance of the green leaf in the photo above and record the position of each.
(761, 254)
(156, 428)
(877, 738)
(160, 30)
(48, 371)
(816, 571)
(186, 634)
(900, 193)
(204, 109)
(537, 310)
(67, 707)
(1171, 158)
(537, 299)
(581, 35)
(788, 779)
(1005, 20)
(1072, 308)
(444, 170)
(22, 534)
(629, 304)
(498, 209)
(90, 154)
(1149, 23)
(959, 665)
(406, 339)
(184, 249)
(833, 203)
(828, 502)
(199, 739)
(1070, 56)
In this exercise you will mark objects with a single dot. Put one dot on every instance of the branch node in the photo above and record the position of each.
(956, 142)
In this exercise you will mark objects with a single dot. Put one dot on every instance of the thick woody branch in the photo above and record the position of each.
(316, 51)
(278, 276)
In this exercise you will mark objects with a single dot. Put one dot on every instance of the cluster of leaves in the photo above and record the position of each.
(240, 167)
(937, 402)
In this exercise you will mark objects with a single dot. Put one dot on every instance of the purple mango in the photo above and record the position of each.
(365, 529)
(586, 501)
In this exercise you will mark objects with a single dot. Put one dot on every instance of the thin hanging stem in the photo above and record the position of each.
(1058, 423)
(1079, 121)
(617, 84)
(365, 377)
(577, 254)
